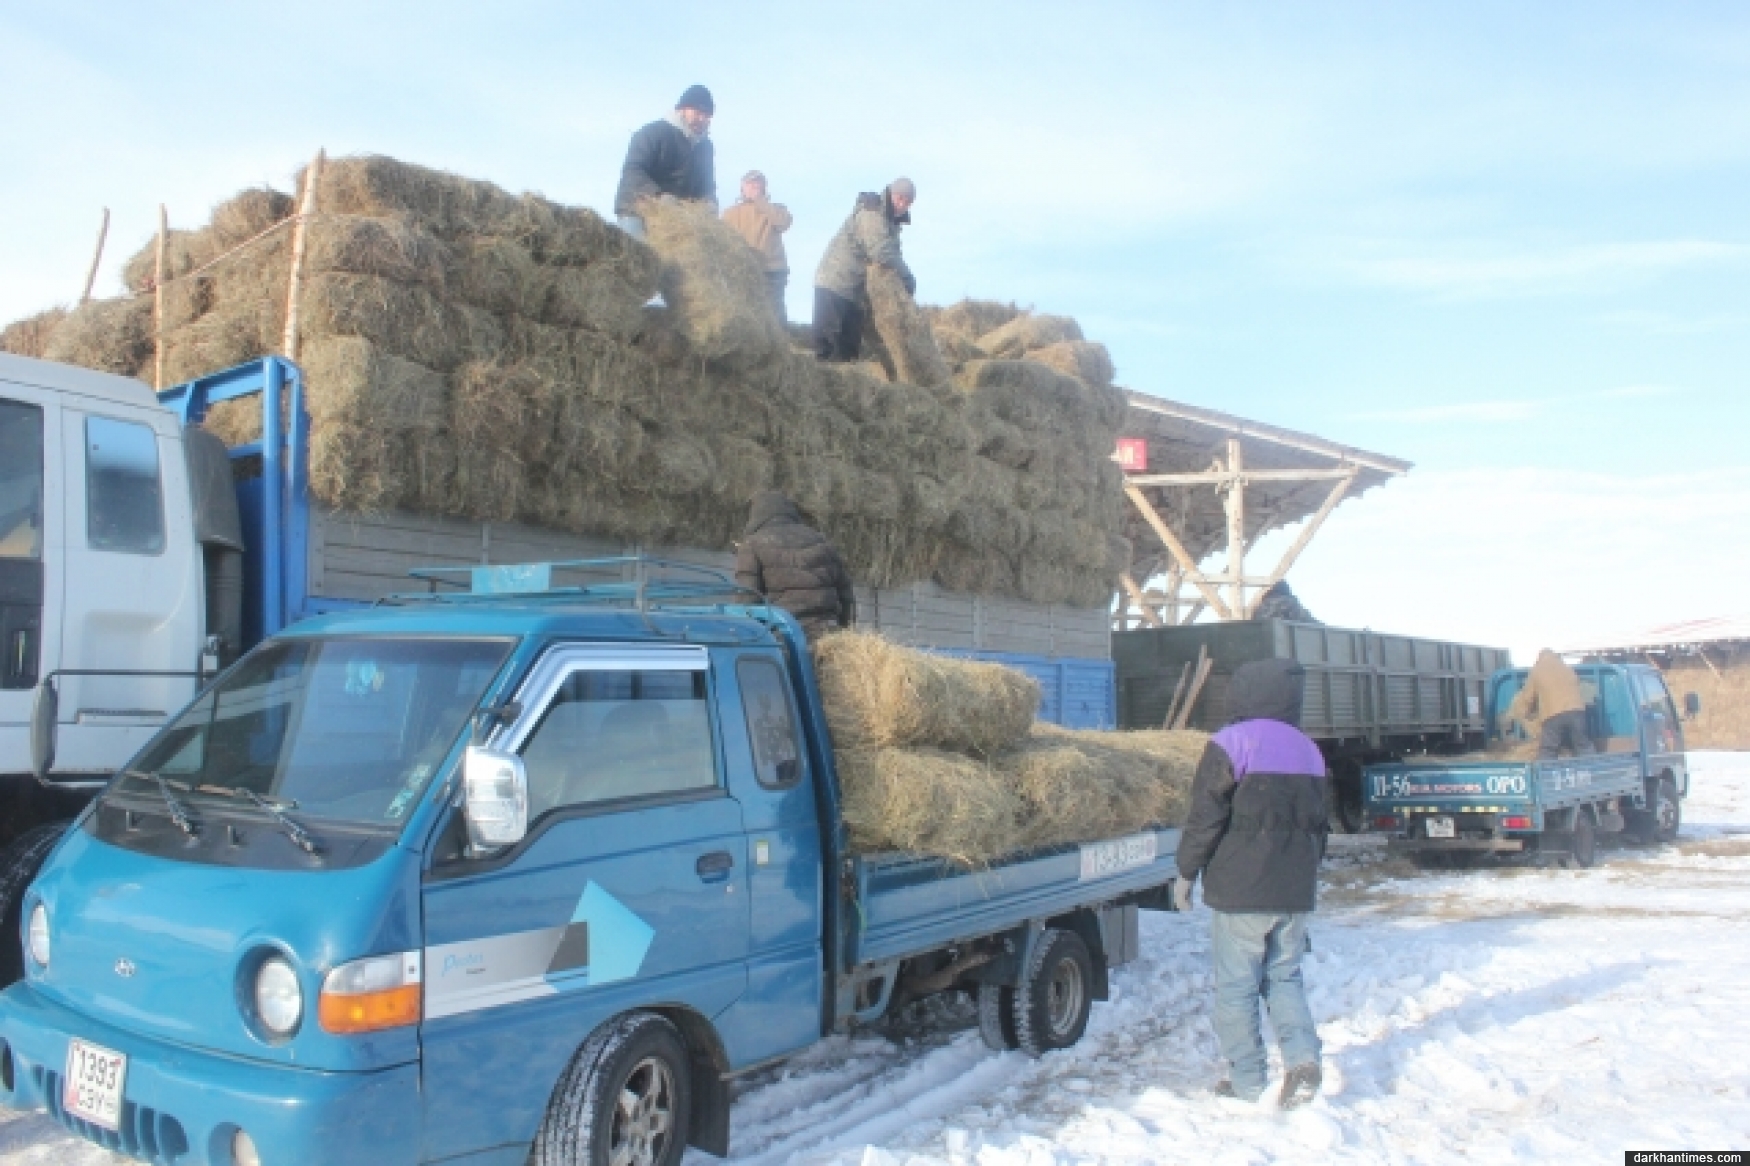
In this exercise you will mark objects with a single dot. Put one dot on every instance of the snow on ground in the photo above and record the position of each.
(1503, 1014)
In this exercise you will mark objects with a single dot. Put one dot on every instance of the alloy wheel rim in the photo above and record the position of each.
(643, 1115)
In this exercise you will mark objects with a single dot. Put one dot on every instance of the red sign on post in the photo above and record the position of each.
(1133, 455)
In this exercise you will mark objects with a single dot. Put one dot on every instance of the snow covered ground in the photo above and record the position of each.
(1501, 1015)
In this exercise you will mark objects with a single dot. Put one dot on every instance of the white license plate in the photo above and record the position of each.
(93, 1089)
(1441, 828)
(1100, 859)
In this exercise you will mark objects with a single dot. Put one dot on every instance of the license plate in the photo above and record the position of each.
(1441, 828)
(95, 1077)
(1100, 859)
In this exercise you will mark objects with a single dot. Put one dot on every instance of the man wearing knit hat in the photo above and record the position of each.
(869, 236)
(762, 222)
(671, 158)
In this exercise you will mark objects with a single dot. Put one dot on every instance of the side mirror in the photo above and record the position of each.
(1691, 705)
(495, 798)
(43, 716)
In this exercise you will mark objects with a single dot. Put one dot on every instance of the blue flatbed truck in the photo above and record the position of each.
(1444, 811)
(526, 872)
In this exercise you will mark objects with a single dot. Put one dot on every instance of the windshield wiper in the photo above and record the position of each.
(178, 812)
(295, 832)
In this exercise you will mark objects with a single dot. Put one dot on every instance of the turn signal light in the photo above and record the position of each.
(1516, 822)
(366, 995)
(1386, 822)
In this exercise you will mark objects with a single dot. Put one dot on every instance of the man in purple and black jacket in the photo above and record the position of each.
(1256, 834)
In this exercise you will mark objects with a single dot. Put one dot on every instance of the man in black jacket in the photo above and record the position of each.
(794, 566)
(670, 158)
(1256, 834)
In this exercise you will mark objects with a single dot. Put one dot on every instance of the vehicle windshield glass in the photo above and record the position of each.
(349, 729)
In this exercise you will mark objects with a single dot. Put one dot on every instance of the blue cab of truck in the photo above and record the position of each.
(489, 877)
(1450, 810)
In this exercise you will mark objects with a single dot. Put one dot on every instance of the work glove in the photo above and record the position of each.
(1182, 894)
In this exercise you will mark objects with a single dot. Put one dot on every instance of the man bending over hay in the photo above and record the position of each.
(670, 158)
(794, 566)
(869, 236)
(1256, 834)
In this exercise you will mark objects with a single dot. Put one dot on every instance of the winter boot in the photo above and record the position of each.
(1300, 1086)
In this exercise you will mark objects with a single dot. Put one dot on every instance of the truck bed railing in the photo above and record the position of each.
(651, 583)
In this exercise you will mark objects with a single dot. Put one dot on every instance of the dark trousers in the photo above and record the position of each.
(838, 326)
(1564, 731)
(775, 281)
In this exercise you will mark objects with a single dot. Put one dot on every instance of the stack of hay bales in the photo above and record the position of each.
(942, 757)
(484, 355)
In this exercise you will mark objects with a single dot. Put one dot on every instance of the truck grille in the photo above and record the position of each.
(145, 1133)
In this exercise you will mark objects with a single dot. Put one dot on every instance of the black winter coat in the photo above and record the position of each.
(794, 566)
(1258, 822)
(663, 160)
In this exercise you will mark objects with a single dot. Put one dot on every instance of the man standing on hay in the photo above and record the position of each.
(1255, 835)
(762, 222)
(869, 236)
(671, 158)
(1552, 695)
(794, 566)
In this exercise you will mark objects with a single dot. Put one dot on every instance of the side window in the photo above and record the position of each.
(609, 734)
(123, 497)
(1617, 707)
(21, 481)
(1658, 717)
(765, 702)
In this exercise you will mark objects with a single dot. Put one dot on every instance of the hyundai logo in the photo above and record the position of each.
(124, 968)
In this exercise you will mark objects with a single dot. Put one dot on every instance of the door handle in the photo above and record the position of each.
(714, 867)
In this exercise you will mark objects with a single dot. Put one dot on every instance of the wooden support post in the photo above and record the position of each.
(1312, 527)
(1702, 652)
(300, 232)
(158, 302)
(1141, 601)
(1177, 549)
(96, 258)
(1193, 612)
(1178, 691)
(1175, 584)
(1204, 663)
(1236, 530)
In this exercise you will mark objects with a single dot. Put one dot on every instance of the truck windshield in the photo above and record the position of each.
(349, 729)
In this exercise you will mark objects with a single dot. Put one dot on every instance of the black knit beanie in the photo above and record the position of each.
(697, 97)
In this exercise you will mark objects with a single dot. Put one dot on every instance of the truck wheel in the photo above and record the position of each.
(19, 865)
(1582, 843)
(1053, 1000)
(1658, 824)
(1343, 804)
(623, 1100)
(996, 1017)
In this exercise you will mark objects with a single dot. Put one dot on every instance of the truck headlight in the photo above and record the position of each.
(39, 935)
(279, 1000)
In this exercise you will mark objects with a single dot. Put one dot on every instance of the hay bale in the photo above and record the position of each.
(957, 348)
(183, 252)
(247, 214)
(376, 423)
(881, 694)
(1082, 786)
(903, 330)
(1082, 359)
(713, 284)
(403, 320)
(444, 203)
(1028, 332)
(359, 245)
(30, 336)
(973, 318)
(214, 342)
(113, 336)
(603, 297)
(930, 802)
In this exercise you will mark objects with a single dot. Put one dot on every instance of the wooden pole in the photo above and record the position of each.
(1312, 527)
(1177, 549)
(96, 258)
(1178, 691)
(158, 302)
(1139, 599)
(1702, 652)
(300, 231)
(1236, 529)
(1220, 477)
(1203, 665)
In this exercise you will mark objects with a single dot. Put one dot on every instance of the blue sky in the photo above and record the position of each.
(1508, 242)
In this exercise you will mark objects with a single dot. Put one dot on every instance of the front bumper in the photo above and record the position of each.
(181, 1107)
(1492, 845)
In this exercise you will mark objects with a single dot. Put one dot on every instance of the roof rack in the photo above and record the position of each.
(650, 583)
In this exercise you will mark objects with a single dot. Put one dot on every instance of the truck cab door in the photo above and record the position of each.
(627, 892)
(1661, 732)
(768, 774)
(30, 559)
(132, 596)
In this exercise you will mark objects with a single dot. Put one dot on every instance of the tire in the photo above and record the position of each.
(19, 865)
(624, 1098)
(1582, 843)
(996, 1017)
(1052, 1003)
(1343, 804)
(1659, 823)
